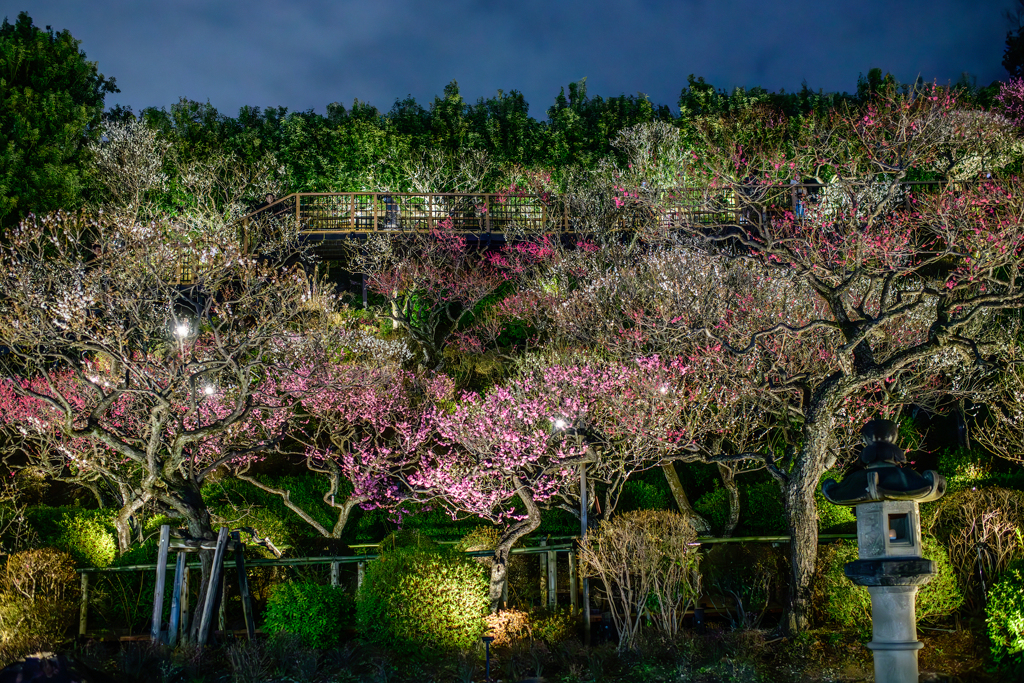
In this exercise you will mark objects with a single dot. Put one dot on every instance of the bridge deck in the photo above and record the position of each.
(325, 215)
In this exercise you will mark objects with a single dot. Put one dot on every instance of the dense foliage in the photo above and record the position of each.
(415, 597)
(1005, 619)
(840, 602)
(51, 102)
(317, 614)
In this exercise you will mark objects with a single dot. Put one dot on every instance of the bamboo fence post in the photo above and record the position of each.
(574, 598)
(552, 579)
(543, 560)
(184, 619)
(222, 602)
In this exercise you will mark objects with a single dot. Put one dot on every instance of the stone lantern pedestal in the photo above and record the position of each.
(886, 496)
(891, 568)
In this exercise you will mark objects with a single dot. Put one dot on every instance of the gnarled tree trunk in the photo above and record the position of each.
(499, 568)
(695, 520)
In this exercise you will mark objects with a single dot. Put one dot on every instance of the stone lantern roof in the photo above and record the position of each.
(886, 475)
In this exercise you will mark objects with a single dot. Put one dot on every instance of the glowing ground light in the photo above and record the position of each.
(560, 424)
(208, 390)
(182, 330)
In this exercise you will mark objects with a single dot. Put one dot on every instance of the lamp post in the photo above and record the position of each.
(559, 425)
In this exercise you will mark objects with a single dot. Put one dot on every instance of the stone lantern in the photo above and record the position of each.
(886, 495)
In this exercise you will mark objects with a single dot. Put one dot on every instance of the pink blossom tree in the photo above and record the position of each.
(862, 302)
(118, 375)
(505, 455)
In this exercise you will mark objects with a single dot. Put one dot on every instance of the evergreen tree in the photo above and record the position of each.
(51, 104)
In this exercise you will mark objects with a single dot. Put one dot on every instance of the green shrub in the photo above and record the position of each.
(38, 601)
(414, 597)
(641, 495)
(833, 518)
(761, 509)
(315, 613)
(963, 467)
(750, 575)
(841, 602)
(89, 538)
(87, 534)
(1004, 618)
(714, 507)
(554, 627)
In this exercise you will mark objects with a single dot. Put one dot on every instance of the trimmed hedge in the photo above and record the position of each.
(314, 612)
(419, 597)
(842, 603)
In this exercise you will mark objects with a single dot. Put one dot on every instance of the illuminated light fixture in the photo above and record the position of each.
(208, 390)
(560, 423)
(182, 330)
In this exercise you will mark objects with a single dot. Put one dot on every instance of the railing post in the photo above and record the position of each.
(552, 579)
(487, 215)
(184, 618)
(574, 598)
(83, 610)
(360, 573)
(298, 198)
(335, 574)
(544, 583)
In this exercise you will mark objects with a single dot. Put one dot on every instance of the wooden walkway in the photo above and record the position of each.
(322, 215)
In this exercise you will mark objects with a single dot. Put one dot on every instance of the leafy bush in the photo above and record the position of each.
(963, 467)
(554, 627)
(313, 612)
(761, 509)
(841, 602)
(1005, 620)
(38, 594)
(87, 534)
(415, 597)
(89, 538)
(641, 495)
(833, 518)
(969, 519)
(508, 626)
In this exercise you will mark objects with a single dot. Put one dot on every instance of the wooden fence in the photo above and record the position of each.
(546, 549)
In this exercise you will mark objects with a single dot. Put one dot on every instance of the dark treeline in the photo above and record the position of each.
(339, 151)
(52, 115)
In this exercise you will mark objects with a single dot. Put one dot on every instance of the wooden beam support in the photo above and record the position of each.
(161, 577)
(83, 610)
(243, 589)
(175, 625)
(206, 619)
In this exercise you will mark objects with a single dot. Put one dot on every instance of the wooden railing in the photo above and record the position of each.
(322, 213)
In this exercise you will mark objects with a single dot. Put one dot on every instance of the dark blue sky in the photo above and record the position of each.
(305, 54)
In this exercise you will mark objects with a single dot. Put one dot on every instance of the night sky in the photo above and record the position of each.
(304, 54)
